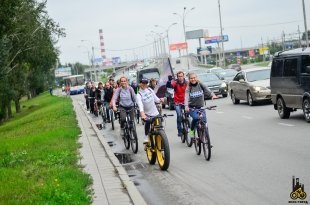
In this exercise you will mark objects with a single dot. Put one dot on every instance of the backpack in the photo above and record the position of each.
(206, 96)
(130, 90)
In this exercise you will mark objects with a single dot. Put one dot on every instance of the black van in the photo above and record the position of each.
(148, 73)
(290, 82)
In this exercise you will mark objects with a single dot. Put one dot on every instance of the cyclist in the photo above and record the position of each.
(92, 96)
(87, 93)
(153, 83)
(134, 86)
(146, 99)
(194, 98)
(179, 87)
(126, 97)
(108, 94)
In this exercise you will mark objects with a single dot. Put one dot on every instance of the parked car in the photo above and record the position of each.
(226, 75)
(178, 61)
(290, 82)
(236, 67)
(215, 70)
(214, 83)
(251, 85)
(197, 71)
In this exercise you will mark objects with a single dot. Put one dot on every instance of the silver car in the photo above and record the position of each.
(251, 85)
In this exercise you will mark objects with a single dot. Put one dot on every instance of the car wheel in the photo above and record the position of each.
(224, 95)
(234, 99)
(306, 109)
(250, 98)
(284, 113)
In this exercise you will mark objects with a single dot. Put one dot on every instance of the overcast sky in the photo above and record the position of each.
(125, 23)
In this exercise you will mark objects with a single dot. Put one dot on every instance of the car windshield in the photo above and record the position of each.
(208, 77)
(216, 70)
(154, 75)
(227, 73)
(258, 75)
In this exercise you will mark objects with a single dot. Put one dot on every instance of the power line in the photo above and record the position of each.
(250, 26)
(128, 49)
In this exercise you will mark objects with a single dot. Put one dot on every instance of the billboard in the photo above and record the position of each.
(196, 34)
(63, 71)
(177, 46)
(116, 60)
(216, 39)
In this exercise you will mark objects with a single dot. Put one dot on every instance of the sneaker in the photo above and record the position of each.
(145, 139)
(191, 133)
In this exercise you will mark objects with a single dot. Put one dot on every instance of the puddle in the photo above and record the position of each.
(111, 144)
(99, 126)
(124, 158)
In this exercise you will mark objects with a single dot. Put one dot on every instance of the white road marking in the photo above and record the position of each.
(288, 125)
(220, 112)
(247, 117)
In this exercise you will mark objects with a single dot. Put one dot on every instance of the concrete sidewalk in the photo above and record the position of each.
(111, 184)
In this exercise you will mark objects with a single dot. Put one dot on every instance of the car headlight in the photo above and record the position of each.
(258, 88)
(223, 85)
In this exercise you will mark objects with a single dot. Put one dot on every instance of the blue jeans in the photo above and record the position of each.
(194, 115)
(178, 110)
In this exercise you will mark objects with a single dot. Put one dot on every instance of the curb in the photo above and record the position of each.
(133, 192)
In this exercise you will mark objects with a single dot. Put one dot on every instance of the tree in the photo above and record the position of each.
(27, 51)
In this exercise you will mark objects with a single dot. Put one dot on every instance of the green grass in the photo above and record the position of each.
(38, 155)
(262, 64)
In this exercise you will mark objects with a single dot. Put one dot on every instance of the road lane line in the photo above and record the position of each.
(287, 125)
(220, 112)
(247, 117)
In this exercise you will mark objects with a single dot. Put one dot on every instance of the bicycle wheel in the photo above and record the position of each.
(126, 138)
(103, 117)
(133, 140)
(137, 117)
(150, 152)
(112, 118)
(206, 144)
(197, 143)
(189, 140)
(184, 132)
(162, 150)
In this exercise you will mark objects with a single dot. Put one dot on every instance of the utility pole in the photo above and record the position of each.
(299, 40)
(223, 52)
(305, 23)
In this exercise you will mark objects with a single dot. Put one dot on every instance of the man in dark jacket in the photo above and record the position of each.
(108, 94)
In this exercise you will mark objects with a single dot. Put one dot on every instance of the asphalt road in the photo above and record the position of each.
(254, 157)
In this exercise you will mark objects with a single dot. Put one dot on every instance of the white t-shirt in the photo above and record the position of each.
(146, 101)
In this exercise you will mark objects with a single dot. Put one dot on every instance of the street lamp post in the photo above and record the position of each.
(88, 58)
(93, 57)
(161, 45)
(305, 23)
(167, 32)
(223, 53)
(183, 22)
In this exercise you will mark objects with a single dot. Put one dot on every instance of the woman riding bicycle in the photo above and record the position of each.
(146, 99)
(194, 98)
(126, 97)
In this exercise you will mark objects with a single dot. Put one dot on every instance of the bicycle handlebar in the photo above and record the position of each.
(158, 116)
(204, 108)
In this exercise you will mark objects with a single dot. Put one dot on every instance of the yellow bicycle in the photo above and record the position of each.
(158, 145)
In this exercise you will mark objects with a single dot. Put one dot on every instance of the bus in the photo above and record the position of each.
(76, 83)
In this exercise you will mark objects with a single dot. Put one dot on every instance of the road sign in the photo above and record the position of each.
(177, 46)
(216, 39)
